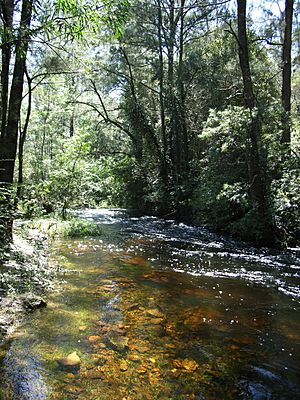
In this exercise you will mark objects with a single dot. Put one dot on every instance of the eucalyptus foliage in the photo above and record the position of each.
(141, 105)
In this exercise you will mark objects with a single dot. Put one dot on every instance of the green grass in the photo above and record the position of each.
(71, 228)
(77, 227)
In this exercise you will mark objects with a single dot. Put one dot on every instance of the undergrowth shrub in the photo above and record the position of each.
(72, 228)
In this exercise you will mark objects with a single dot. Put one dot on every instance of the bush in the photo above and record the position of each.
(286, 200)
(221, 196)
(80, 228)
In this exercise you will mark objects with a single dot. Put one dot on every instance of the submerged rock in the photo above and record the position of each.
(123, 365)
(72, 361)
(94, 374)
(186, 364)
(99, 359)
(34, 304)
(117, 342)
(134, 260)
(70, 376)
(134, 357)
(74, 390)
(156, 321)
(82, 328)
(154, 313)
(94, 338)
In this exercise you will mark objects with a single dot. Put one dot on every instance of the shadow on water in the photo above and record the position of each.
(159, 310)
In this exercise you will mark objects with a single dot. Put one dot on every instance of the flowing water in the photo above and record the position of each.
(160, 310)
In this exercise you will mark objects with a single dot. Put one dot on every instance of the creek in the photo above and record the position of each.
(160, 310)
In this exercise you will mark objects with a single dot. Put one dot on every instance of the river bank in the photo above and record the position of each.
(25, 278)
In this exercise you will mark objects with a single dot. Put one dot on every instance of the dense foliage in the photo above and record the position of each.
(143, 106)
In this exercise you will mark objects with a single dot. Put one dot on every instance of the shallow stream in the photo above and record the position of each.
(160, 310)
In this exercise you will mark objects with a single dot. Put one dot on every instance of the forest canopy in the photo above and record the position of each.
(185, 109)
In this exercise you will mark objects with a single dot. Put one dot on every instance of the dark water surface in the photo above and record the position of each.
(159, 310)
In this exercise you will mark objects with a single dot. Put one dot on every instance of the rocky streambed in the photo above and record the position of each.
(154, 310)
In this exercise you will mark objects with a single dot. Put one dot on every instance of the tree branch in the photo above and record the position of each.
(232, 31)
(105, 117)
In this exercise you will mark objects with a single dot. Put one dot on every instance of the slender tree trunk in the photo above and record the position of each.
(6, 10)
(11, 115)
(23, 134)
(161, 96)
(181, 93)
(257, 184)
(171, 98)
(287, 73)
(176, 106)
(9, 139)
(72, 124)
(249, 97)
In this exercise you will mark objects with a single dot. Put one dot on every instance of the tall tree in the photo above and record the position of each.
(11, 104)
(161, 75)
(9, 131)
(6, 10)
(287, 72)
(257, 184)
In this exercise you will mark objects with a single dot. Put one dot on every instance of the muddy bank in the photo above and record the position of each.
(25, 277)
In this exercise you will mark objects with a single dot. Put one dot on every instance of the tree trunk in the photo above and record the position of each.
(257, 184)
(287, 73)
(249, 98)
(6, 10)
(164, 167)
(23, 134)
(9, 138)
(11, 115)
(171, 98)
(181, 94)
